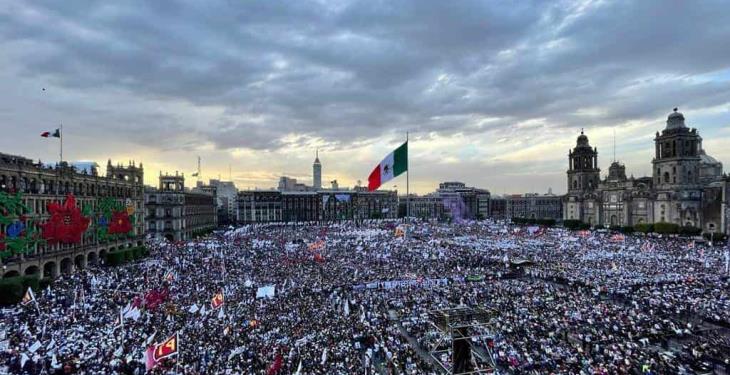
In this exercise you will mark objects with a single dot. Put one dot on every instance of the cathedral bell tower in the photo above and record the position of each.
(583, 172)
(676, 173)
(677, 154)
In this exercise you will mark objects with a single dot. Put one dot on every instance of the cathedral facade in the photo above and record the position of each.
(687, 186)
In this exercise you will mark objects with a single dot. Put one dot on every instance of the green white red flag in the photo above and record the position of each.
(391, 167)
(55, 134)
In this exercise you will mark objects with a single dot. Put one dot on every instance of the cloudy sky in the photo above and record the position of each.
(493, 93)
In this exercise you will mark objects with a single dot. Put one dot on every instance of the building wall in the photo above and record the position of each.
(199, 213)
(725, 205)
(258, 206)
(164, 211)
(40, 185)
(535, 206)
(177, 214)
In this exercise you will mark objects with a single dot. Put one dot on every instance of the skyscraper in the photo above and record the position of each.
(317, 173)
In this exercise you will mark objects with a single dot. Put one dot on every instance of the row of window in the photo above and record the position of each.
(34, 186)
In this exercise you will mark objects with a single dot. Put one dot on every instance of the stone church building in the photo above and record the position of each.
(687, 186)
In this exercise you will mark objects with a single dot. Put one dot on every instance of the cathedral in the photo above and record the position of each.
(687, 186)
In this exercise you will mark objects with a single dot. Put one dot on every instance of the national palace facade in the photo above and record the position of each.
(54, 219)
(687, 186)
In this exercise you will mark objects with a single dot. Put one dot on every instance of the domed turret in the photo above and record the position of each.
(617, 172)
(582, 140)
(675, 120)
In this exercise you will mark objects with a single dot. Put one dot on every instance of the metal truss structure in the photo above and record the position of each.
(458, 328)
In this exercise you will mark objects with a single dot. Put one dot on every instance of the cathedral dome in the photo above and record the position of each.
(582, 140)
(675, 120)
(707, 159)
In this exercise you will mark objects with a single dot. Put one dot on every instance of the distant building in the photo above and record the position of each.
(498, 208)
(474, 201)
(110, 214)
(291, 184)
(429, 206)
(686, 186)
(226, 199)
(300, 206)
(256, 206)
(259, 206)
(177, 214)
(534, 206)
(317, 173)
(452, 199)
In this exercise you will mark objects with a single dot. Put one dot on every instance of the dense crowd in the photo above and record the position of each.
(352, 298)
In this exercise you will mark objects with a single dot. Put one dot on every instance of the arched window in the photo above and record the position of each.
(666, 177)
(575, 184)
(689, 176)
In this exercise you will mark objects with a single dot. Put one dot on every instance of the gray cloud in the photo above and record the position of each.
(353, 71)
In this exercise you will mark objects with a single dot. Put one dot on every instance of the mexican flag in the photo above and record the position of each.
(392, 166)
(56, 134)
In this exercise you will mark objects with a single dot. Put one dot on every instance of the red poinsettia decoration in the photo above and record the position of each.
(120, 223)
(66, 224)
(2, 241)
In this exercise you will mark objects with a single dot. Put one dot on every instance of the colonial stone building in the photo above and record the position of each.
(177, 214)
(686, 186)
(57, 218)
(534, 206)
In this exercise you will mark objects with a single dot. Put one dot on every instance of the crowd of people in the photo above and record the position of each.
(353, 298)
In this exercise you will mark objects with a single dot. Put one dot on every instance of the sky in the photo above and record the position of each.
(492, 93)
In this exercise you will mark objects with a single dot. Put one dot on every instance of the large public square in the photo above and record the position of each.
(348, 298)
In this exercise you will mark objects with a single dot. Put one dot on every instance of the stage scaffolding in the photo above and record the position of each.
(457, 330)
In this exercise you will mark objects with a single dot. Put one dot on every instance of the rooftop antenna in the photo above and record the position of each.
(199, 177)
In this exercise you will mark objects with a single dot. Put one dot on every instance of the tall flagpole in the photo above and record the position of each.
(408, 194)
(61, 136)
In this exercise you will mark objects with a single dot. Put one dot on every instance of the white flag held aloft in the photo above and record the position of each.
(268, 291)
(324, 356)
(35, 347)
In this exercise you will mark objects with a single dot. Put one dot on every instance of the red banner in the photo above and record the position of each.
(166, 349)
(217, 300)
